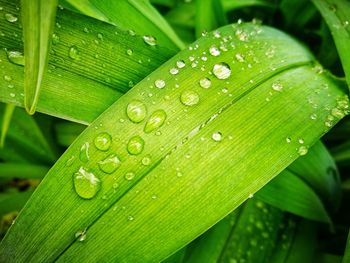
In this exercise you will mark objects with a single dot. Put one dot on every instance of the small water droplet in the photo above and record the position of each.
(135, 145)
(159, 83)
(86, 184)
(110, 164)
(130, 218)
(277, 86)
(129, 176)
(239, 57)
(155, 121)
(136, 111)
(302, 150)
(84, 152)
(81, 235)
(288, 140)
(11, 18)
(301, 141)
(129, 52)
(146, 160)
(173, 71)
(150, 40)
(222, 70)
(70, 161)
(16, 57)
(74, 53)
(103, 141)
(217, 136)
(180, 64)
(205, 83)
(7, 78)
(313, 116)
(55, 39)
(189, 98)
(214, 51)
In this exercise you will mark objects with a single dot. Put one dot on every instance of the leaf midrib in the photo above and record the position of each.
(191, 134)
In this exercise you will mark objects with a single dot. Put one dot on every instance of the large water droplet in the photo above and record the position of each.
(205, 83)
(110, 164)
(74, 53)
(136, 111)
(103, 141)
(160, 84)
(150, 40)
(222, 70)
(84, 152)
(155, 121)
(135, 145)
(11, 18)
(86, 184)
(16, 57)
(189, 98)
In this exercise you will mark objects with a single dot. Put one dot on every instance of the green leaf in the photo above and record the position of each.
(13, 201)
(209, 15)
(6, 120)
(201, 161)
(291, 194)
(22, 170)
(303, 9)
(137, 15)
(79, 89)
(336, 13)
(38, 19)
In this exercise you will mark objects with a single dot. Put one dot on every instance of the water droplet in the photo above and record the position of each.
(11, 18)
(70, 161)
(155, 121)
(150, 40)
(160, 84)
(84, 152)
(205, 83)
(7, 78)
(136, 111)
(239, 57)
(173, 71)
(222, 70)
(135, 145)
(55, 39)
(214, 51)
(302, 150)
(217, 136)
(129, 176)
(189, 98)
(180, 64)
(74, 53)
(146, 160)
(131, 32)
(81, 235)
(86, 184)
(288, 140)
(277, 86)
(16, 57)
(103, 141)
(313, 116)
(110, 164)
(130, 218)
(301, 141)
(129, 52)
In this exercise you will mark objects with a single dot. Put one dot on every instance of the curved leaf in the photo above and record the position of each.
(209, 150)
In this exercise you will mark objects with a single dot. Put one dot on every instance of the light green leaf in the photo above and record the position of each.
(336, 13)
(38, 19)
(82, 88)
(6, 120)
(205, 158)
(141, 17)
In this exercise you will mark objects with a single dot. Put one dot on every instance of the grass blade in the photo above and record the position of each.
(6, 120)
(346, 257)
(13, 201)
(212, 151)
(38, 19)
(336, 13)
(23, 171)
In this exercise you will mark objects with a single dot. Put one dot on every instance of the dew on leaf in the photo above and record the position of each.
(86, 184)
(103, 141)
(136, 111)
(110, 164)
(189, 98)
(84, 152)
(222, 70)
(155, 121)
(135, 145)
(205, 83)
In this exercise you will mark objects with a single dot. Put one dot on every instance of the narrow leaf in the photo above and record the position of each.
(6, 120)
(336, 13)
(157, 177)
(346, 257)
(38, 19)
(136, 15)
(10, 202)
(23, 171)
